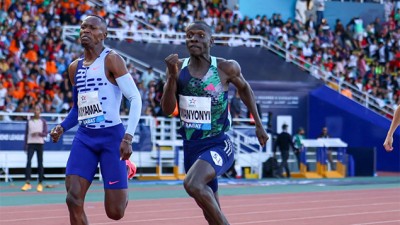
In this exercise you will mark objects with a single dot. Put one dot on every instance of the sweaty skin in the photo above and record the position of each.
(388, 144)
(198, 43)
(92, 35)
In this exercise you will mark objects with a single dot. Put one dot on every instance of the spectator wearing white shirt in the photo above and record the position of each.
(244, 34)
(131, 26)
(291, 53)
(3, 94)
(55, 22)
(237, 12)
(301, 8)
(307, 49)
(165, 18)
(209, 20)
(353, 60)
(235, 41)
(41, 28)
(111, 7)
(190, 7)
(373, 48)
(130, 12)
(275, 32)
(170, 32)
(176, 9)
(382, 55)
(11, 19)
(153, 6)
(389, 6)
(140, 14)
(320, 5)
(303, 37)
(190, 17)
(257, 20)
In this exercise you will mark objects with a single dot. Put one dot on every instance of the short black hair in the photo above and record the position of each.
(100, 18)
(202, 23)
(102, 21)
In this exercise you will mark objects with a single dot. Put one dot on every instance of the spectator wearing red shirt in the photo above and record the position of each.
(329, 64)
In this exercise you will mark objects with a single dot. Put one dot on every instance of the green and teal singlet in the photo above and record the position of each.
(203, 104)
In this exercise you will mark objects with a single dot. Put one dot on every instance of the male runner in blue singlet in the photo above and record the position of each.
(99, 79)
(199, 85)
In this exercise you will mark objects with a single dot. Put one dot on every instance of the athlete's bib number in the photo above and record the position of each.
(195, 112)
(89, 108)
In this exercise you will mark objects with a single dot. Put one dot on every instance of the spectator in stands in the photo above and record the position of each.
(301, 8)
(18, 32)
(148, 76)
(35, 132)
(201, 82)
(133, 71)
(310, 23)
(3, 95)
(101, 137)
(284, 142)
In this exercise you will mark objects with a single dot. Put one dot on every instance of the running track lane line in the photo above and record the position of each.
(229, 205)
(317, 217)
(228, 214)
(266, 197)
(227, 201)
(380, 222)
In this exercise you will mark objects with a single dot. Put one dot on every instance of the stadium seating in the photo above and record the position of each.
(33, 54)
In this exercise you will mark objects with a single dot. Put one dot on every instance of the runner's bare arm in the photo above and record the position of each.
(168, 100)
(234, 75)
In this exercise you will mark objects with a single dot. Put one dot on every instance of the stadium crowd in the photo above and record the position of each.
(34, 58)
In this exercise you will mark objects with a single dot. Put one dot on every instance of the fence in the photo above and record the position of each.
(160, 147)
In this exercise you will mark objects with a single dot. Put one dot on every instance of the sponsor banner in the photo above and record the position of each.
(12, 137)
(276, 99)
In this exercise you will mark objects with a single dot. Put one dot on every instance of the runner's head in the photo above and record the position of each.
(199, 38)
(93, 31)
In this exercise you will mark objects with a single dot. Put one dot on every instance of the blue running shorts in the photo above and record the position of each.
(93, 146)
(217, 151)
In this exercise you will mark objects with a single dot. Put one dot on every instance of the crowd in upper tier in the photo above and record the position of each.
(34, 59)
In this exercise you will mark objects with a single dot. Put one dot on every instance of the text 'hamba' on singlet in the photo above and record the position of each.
(203, 104)
(99, 100)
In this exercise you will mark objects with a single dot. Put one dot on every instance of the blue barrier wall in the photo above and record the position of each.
(333, 10)
(354, 124)
(256, 63)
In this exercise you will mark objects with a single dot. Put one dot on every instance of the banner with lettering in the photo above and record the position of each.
(277, 99)
(12, 138)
